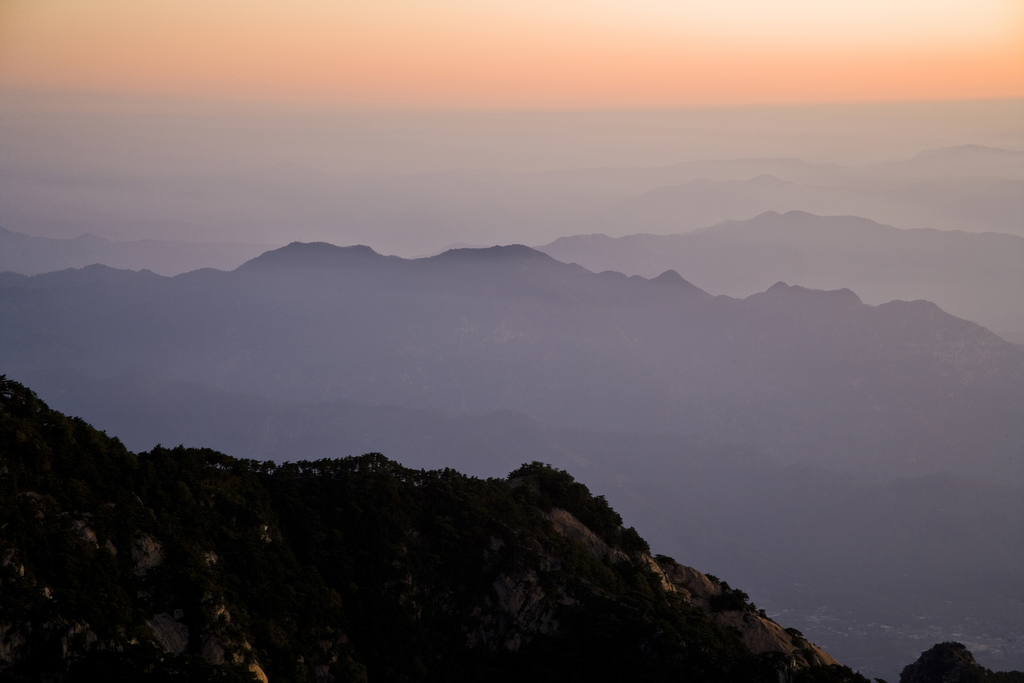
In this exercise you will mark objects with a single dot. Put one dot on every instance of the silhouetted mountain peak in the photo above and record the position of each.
(89, 238)
(509, 258)
(953, 663)
(795, 219)
(768, 179)
(80, 277)
(781, 290)
(495, 254)
(674, 279)
(591, 240)
(965, 151)
(798, 219)
(312, 255)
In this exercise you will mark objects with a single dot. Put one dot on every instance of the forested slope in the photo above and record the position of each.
(189, 564)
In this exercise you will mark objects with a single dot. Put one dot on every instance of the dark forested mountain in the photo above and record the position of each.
(31, 255)
(970, 275)
(804, 375)
(954, 663)
(853, 562)
(187, 564)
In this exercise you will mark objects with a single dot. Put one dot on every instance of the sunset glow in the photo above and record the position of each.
(524, 54)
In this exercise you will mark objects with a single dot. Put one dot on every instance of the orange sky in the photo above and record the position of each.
(525, 53)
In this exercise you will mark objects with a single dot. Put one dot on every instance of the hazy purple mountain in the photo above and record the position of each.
(973, 204)
(804, 375)
(30, 255)
(962, 160)
(161, 196)
(972, 276)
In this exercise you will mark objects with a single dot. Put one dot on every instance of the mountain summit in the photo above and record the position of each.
(312, 255)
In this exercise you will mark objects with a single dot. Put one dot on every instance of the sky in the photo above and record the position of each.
(170, 119)
(519, 54)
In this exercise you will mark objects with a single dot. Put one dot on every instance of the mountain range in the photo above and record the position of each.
(974, 204)
(968, 188)
(807, 376)
(849, 431)
(971, 275)
(31, 255)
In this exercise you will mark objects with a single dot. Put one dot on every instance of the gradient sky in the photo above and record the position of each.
(521, 53)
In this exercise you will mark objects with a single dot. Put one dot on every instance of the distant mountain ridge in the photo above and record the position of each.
(970, 188)
(803, 374)
(32, 255)
(962, 188)
(972, 276)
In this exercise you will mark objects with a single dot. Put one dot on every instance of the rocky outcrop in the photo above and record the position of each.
(521, 609)
(66, 640)
(725, 606)
(953, 663)
(256, 671)
(729, 608)
(569, 526)
(171, 634)
(147, 553)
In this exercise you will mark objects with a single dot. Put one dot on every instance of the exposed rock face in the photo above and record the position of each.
(147, 553)
(85, 531)
(523, 610)
(256, 671)
(212, 650)
(573, 528)
(171, 634)
(758, 632)
(691, 583)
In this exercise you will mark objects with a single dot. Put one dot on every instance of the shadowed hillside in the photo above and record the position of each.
(188, 563)
(864, 568)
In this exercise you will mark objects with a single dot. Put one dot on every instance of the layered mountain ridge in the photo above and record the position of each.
(33, 254)
(900, 388)
(699, 413)
(971, 275)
